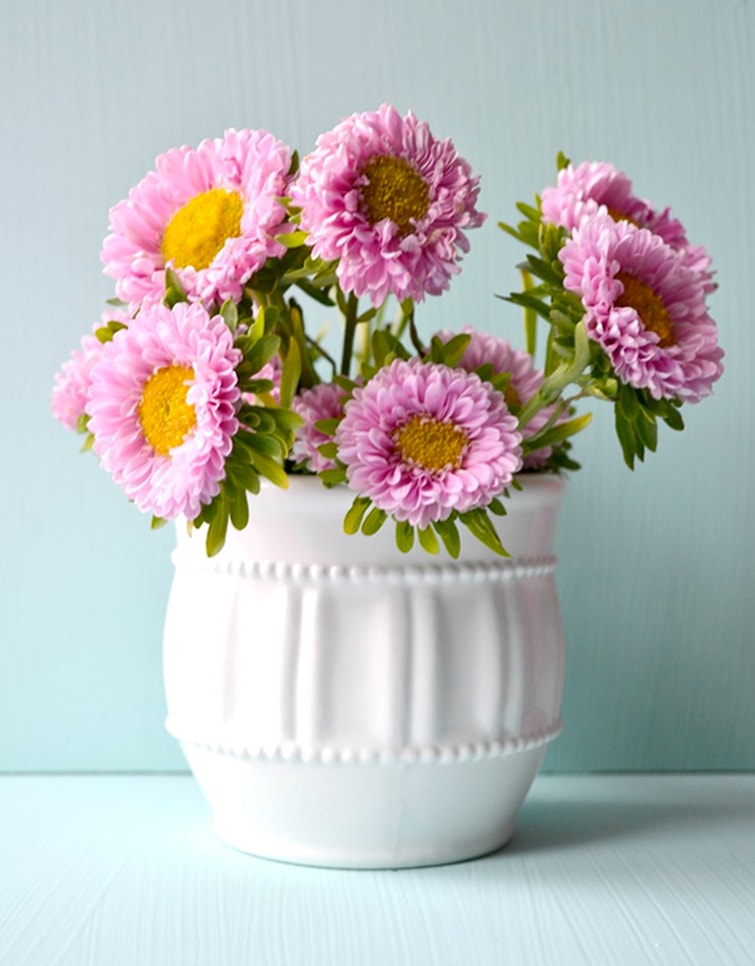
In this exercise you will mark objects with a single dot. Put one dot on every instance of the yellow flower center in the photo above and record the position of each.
(198, 230)
(165, 416)
(430, 444)
(620, 216)
(396, 191)
(648, 305)
(511, 396)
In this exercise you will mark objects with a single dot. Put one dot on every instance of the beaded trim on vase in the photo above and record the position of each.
(289, 751)
(411, 573)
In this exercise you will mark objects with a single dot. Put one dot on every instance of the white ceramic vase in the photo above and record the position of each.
(343, 704)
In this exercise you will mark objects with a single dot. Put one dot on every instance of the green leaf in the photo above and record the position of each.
(334, 476)
(256, 354)
(673, 418)
(267, 445)
(562, 161)
(520, 236)
(270, 470)
(550, 238)
(528, 301)
(265, 280)
(384, 346)
(495, 506)
(157, 523)
(244, 475)
(293, 239)
(290, 374)
(207, 513)
(428, 540)
(630, 445)
(230, 314)
(257, 328)
(105, 333)
(501, 382)
(564, 322)
(174, 290)
(528, 211)
(628, 402)
(327, 426)
(451, 352)
(354, 515)
(647, 430)
(368, 315)
(374, 521)
(259, 419)
(348, 385)
(548, 271)
(316, 292)
(239, 508)
(404, 536)
(286, 419)
(560, 460)
(449, 534)
(218, 528)
(381, 347)
(479, 525)
(329, 450)
(255, 418)
(557, 434)
(258, 386)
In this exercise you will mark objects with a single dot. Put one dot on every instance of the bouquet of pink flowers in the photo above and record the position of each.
(201, 378)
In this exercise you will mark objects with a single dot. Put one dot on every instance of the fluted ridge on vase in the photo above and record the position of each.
(378, 657)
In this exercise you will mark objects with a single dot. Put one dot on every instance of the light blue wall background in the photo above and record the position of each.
(656, 573)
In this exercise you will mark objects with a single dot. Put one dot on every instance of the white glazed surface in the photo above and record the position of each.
(343, 704)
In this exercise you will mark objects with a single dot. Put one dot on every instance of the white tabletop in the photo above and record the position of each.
(609, 870)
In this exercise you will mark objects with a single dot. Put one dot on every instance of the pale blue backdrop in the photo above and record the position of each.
(656, 572)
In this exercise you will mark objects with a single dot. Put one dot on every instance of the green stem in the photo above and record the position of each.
(560, 378)
(316, 347)
(530, 317)
(407, 307)
(537, 402)
(309, 377)
(290, 323)
(350, 327)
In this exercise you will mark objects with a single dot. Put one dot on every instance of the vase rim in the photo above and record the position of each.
(527, 479)
(304, 525)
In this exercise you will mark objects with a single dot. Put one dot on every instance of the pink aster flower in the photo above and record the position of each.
(484, 349)
(673, 233)
(422, 440)
(211, 213)
(582, 190)
(162, 408)
(70, 391)
(324, 401)
(390, 203)
(644, 307)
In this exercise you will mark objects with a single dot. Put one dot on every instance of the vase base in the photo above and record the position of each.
(330, 859)
(365, 816)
